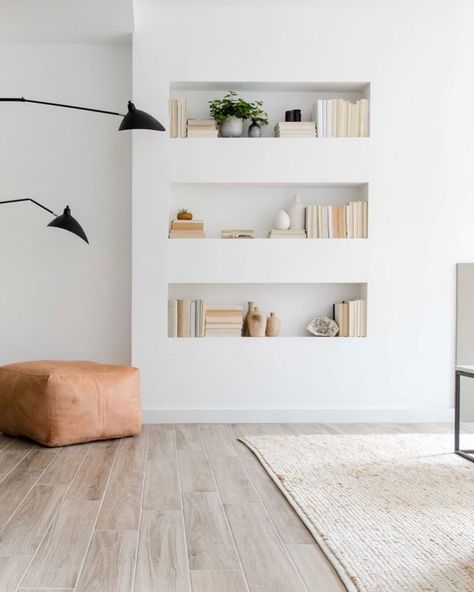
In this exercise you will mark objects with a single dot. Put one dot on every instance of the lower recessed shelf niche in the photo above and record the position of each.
(294, 304)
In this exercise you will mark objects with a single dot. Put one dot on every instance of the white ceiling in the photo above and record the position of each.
(66, 21)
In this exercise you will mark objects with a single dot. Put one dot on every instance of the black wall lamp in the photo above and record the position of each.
(134, 119)
(64, 221)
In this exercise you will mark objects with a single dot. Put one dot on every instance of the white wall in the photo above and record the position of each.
(418, 58)
(60, 298)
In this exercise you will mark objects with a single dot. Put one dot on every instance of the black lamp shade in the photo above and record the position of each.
(67, 222)
(136, 119)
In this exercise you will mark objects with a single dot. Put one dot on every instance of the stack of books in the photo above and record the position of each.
(236, 233)
(340, 118)
(202, 128)
(178, 117)
(224, 321)
(186, 318)
(187, 229)
(351, 318)
(348, 221)
(287, 234)
(295, 129)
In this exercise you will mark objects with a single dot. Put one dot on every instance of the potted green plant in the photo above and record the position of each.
(230, 112)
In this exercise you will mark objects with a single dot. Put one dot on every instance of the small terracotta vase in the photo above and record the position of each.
(273, 326)
(257, 323)
(245, 326)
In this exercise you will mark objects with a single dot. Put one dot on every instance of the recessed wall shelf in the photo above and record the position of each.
(294, 303)
(277, 97)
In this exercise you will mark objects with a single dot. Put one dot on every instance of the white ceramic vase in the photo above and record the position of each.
(281, 221)
(297, 213)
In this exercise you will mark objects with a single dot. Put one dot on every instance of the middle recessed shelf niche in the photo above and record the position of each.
(254, 205)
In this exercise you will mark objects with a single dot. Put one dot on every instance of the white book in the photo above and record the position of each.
(320, 118)
(329, 119)
(348, 213)
(325, 111)
(330, 211)
(309, 222)
(364, 118)
(352, 327)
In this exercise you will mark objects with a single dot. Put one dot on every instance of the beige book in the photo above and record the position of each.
(352, 318)
(180, 318)
(334, 117)
(363, 322)
(340, 118)
(365, 219)
(354, 127)
(173, 113)
(334, 220)
(172, 318)
(339, 317)
(346, 319)
(187, 225)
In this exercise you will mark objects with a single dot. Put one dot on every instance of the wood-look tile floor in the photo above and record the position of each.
(180, 508)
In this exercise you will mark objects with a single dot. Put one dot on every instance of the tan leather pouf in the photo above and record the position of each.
(59, 403)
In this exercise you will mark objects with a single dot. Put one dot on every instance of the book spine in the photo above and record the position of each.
(172, 318)
(180, 320)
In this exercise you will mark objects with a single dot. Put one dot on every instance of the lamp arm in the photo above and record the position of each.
(29, 199)
(23, 100)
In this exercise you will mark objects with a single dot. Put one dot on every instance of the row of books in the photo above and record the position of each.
(178, 117)
(351, 318)
(187, 229)
(341, 118)
(202, 128)
(186, 318)
(195, 318)
(295, 129)
(347, 221)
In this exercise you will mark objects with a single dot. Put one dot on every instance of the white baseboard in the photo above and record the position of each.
(297, 415)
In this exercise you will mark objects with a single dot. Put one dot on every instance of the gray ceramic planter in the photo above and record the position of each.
(232, 128)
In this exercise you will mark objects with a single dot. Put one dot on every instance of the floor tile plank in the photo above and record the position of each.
(38, 458)
(162, 563)
(162, 480)
(266, 562)
(209, 541)
(13, 489)
(315, 569)
(194, 469)
(122, 500)
(232, 479)
(110, 562)
(11, 571)
(9, 459)
(90, 481)
(23, 533)
(287, 522)
(218, 581)
(65, 465)
(60, 556)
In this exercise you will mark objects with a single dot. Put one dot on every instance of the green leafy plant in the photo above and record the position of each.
(234, 106)
(184, 212)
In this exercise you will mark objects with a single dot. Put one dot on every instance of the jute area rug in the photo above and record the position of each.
(393, 513)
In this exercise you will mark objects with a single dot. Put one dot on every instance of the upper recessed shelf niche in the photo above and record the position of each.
(277, 97)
